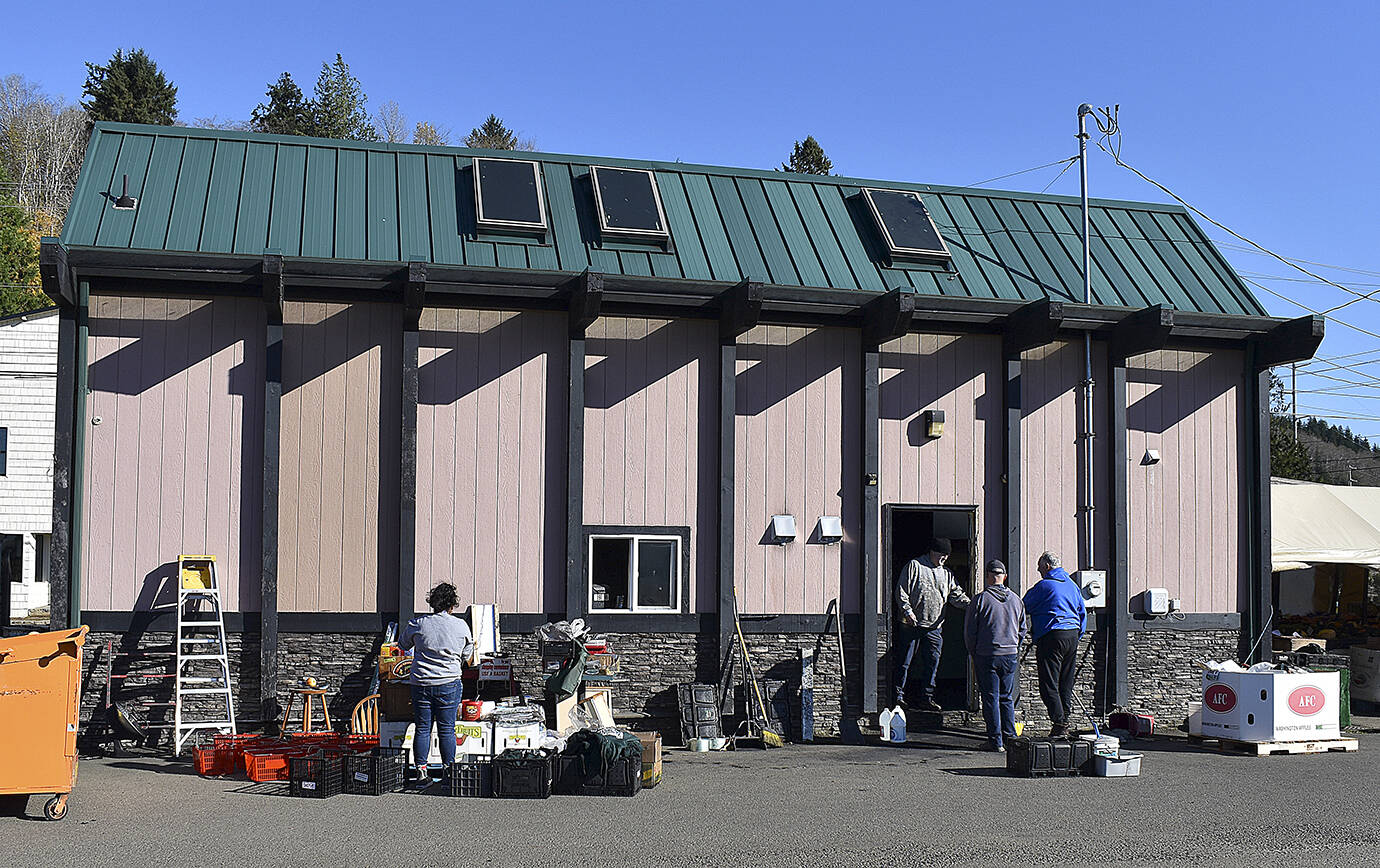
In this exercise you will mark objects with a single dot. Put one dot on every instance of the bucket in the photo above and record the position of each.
(471, 709)
(1103, 745)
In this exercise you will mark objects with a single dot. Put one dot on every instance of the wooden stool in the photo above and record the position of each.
(307, 693)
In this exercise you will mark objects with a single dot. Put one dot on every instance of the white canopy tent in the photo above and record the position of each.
(1312, 523)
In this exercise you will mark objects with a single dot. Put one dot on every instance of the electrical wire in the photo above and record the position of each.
(1068, 164)
(1349, 268)
(1069, 160)
(1340, 322)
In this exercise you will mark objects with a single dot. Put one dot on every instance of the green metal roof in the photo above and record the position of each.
(216, 191)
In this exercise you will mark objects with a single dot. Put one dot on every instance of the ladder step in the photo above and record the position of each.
(200, 691)
(202, 657)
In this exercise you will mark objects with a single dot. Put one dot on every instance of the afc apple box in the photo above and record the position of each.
(1271, 706)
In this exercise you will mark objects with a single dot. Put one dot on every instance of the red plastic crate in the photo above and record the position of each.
(361, 743)
(267, 766)
(213, 762)
(236, 744)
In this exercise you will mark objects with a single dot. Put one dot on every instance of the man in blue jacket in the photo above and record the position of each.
(1057, 621)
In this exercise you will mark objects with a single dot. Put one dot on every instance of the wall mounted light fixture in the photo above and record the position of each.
(1151, 456)
(782, 529)
(830, 529)
(934, 424)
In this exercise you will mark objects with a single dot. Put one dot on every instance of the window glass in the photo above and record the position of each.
(656, 564)
(610, 563)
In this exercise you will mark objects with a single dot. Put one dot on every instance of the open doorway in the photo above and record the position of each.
(906, 531)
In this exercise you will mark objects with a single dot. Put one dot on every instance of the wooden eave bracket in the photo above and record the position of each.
(1144, 331)
(1293, 341)
(586, 297)
(740, 309)
(887, 317)
(273, 286)
(414, 295)
(55, 273)
(1031, 325)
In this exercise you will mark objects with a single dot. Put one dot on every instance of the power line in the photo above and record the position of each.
(1295, 259)
(1324, 314)
(1068, 160)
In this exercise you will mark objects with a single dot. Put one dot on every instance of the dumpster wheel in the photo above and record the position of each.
(56, 807)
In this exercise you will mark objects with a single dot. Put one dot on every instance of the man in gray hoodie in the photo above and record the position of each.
(994, 629)
(922, 592)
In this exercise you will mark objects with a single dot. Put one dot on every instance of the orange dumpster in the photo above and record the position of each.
(40, 683)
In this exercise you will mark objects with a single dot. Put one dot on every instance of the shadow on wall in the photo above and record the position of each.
(1173, 396)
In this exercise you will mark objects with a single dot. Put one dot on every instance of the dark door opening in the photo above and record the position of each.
(906, 532)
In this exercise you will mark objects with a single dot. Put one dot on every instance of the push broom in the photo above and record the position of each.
(769, 738)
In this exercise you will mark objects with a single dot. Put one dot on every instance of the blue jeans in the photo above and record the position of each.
(930, 644)
(996, 680)
(439, 702)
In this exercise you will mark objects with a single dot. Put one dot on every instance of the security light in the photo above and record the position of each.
(830, 529)
(934, 424)
(783, 529)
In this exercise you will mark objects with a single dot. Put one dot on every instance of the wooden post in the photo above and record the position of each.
(272, 397)
(586, 298)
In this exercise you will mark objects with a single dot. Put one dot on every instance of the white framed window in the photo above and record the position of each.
(636, 569)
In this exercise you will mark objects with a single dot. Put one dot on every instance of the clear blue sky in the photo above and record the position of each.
(1265, 115)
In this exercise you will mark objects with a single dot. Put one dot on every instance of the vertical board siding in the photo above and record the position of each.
(963, 377)
(173, 466)
(650, 422)
(338, 487)
(490, 457)
(797, 452)
(1185, 510)
(1051, 468)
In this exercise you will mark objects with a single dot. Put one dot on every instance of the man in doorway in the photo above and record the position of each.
(925, 587)
(1057, 621)
(994, 630)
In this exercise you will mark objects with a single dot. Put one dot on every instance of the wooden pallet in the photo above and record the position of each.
(1270, 748)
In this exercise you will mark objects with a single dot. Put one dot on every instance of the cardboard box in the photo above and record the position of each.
(1271, 706)
(528, 736)
(471, 738)
(395, 700)
(1365, 674)
(1294, 643)
(651, 758)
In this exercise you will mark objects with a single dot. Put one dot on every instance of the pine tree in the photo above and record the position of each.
(129, 89)
(339, 109)
(493, 134)
(807, 158)
(286, 113)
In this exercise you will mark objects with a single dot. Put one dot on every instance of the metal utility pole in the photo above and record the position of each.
(1085, 560)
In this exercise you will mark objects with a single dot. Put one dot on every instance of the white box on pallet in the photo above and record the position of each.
(1271, 706)
(1365, 674)
(473, 738)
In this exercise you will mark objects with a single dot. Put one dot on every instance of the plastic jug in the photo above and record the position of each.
(893, 724)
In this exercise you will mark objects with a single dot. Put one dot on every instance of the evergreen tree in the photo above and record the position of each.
(339, 109)
(807, 158)
(130, 89)
(495, 135)
(286, 113)
(20, 287)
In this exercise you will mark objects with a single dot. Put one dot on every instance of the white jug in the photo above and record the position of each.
(893, 724)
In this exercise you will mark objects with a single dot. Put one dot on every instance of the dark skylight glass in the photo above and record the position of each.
(628, 202)
(508, 194)
(906, 226)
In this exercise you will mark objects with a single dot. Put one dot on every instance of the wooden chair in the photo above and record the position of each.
(364, 720)
(307, 722)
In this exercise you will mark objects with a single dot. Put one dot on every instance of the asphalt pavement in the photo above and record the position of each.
(930, 803)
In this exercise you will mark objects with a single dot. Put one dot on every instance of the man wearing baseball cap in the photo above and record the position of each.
(993, 630)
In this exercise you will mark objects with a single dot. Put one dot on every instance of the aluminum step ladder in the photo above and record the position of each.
(204, 699)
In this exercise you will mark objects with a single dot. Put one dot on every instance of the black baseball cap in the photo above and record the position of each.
(996, 566)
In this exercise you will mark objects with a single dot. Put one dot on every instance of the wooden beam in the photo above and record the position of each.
(1144, 331)
(1119, 584)
(740, 310)
(1011, 469)
(871, 521)
(1031, 325)
(414, 300)
(61, 546)
(728, 410)
(55, 273)
(1260, 579)
(887, 317)
(586, 298)
(1293, 341)
(272, 284)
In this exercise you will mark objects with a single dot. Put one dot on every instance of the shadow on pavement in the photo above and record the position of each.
(980, 773)
(162, 768)
(276, 788)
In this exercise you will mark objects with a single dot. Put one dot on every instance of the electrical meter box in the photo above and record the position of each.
(1094, 585)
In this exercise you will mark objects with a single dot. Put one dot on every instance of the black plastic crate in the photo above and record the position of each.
(699, 711)
(522, 774)
(317, 776)
(621, 777)
(375, 772)
(474, 778)
(1029, 757)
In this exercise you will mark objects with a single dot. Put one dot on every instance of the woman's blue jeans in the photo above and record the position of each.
(439, 702)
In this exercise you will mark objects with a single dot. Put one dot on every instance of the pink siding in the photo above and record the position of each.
(962, 377)
(173, 467)
(798, 452)
(1051, 475)
(1185, 510)
(651, 435)
(491, 458)
(338, 484)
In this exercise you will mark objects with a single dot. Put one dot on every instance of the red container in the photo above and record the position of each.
(360, 743)
(471, 709)
(268, 766)
(214, 762)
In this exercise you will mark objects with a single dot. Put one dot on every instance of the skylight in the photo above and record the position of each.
(508, 194)
(629, 203)
(906, 226)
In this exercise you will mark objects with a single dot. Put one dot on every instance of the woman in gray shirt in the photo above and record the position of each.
(440, 644)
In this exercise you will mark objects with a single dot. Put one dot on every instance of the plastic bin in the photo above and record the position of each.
(318, 776)
(1028, 757)
(472, 778)
(40, 684)
(621, 778)
(1127, 765)
(522, 774)
(376, 771)
(264, 765)
(211, 761)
